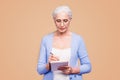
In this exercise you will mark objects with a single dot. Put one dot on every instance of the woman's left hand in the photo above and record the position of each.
(66, 69)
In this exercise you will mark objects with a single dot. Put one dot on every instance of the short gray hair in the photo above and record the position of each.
(62, 9)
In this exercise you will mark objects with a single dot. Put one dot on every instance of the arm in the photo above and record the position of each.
(43, 64)
(42, 60)
(85, 66)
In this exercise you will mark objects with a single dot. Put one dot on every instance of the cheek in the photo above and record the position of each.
(57, 25)
(68, 25)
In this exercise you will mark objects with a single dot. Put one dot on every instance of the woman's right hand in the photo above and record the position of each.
(51, 58)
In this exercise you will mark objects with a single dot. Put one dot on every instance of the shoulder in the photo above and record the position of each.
(47, 37)
(77, 36)
(78, 40)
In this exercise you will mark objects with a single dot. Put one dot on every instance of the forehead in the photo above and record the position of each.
(62, 15)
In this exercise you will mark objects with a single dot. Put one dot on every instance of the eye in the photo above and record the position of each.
(65, 20)
(58, 20)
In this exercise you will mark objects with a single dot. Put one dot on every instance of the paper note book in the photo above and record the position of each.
(56, 64)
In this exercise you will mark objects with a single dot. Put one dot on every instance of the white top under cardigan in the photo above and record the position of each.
(63, 55)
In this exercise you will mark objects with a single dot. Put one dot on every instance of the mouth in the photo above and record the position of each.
(61, 28)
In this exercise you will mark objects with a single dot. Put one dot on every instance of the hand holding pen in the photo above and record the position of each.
(53, 57)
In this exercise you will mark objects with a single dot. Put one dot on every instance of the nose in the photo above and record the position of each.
(62, 24)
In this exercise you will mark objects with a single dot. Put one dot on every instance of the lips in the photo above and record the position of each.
(61, 28)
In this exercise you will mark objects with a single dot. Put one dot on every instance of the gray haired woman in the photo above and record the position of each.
(65, 46)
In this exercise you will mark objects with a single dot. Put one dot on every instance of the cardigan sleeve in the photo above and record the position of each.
(42, 60)
(85, 65)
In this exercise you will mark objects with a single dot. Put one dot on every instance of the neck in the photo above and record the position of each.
(62, 34)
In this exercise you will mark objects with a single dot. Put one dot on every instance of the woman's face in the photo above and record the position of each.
(62, 22)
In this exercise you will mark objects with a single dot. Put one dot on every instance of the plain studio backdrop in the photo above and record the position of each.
(24, 22)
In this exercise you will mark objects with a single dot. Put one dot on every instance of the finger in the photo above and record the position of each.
(53, 56)
(53, 59)
(64, 67)
(66, 72)
(56, 58)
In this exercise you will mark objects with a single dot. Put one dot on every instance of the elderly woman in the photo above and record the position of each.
(65, 45)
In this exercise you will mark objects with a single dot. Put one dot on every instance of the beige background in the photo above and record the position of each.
(24, 22)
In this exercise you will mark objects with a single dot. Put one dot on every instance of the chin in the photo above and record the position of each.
(62, 31)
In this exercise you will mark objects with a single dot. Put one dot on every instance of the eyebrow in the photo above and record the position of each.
(61, 19)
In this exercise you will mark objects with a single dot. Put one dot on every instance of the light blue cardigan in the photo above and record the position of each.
(78, 52)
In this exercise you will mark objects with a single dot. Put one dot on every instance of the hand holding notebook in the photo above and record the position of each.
(56, 64)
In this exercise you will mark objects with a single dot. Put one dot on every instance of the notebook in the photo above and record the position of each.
(56, 64)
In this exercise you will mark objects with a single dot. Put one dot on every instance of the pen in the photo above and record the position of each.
(55, 58)
(51, 53)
